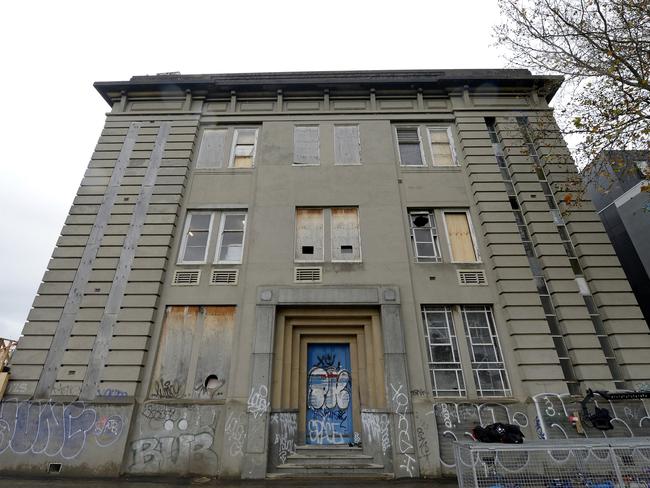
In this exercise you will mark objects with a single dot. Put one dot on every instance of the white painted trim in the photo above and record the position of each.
(233, 145)
(399, 156)
(243, 241)
(450, 141)
(186, 227)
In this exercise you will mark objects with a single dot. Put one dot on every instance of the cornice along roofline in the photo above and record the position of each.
(549, 84)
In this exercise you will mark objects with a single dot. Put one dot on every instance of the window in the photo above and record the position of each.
(345, 234)
(196, 236)
(346, 144)
(485, 352)
(408, 142)
(342, 223)
(306, 145)
(243, 150)
(310, 231)
(213, 153)
(461, 241)
(445, 352)
(444, 361)
(442, 148)
(197, 243)
(213, 149)
(424, 236)
(231, 237)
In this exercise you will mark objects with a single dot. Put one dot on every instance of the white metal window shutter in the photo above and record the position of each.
(186, 277)
(311, 274)
(346, 144)
(306, 145)
(212, 153)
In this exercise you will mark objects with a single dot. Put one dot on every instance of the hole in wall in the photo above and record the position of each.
(421, 221)
(212, 382)
(346, 249)
(71, 372)
(308, 249)
(54, 467)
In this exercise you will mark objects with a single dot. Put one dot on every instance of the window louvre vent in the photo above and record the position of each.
(309, 274)
(224, 276)
(186, 277)
(472, 277)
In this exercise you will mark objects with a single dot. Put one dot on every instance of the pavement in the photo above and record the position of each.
(209, 482)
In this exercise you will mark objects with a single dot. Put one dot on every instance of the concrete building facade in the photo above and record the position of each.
(615, 186)
(294, 274)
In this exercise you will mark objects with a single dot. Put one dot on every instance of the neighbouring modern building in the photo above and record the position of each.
(615, 184)
(324, 273)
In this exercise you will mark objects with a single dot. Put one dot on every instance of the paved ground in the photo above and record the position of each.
(171, 483)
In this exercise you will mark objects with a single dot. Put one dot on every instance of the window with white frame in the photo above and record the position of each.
(213, 152)
(445, 351)
(338, 226)
(424, 236)
(197, 244)
(460, 237)
(487, 363)
(231, 238)
(445, 366)
(442, 147)
(347, 148)
(409, 147)
(306, 145)
(196, 236)
(244, 142)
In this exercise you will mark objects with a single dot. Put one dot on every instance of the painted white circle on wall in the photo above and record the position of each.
(182, 424)
(169, 424)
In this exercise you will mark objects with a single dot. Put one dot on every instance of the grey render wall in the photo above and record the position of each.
(102, 303)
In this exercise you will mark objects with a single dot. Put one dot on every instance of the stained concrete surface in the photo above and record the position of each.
(170, 483)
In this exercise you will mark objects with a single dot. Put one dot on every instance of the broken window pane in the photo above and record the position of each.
(424, 236)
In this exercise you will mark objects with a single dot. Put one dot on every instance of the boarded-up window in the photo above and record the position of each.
(460, 237)
(345, 235)
(231, 237)
(408, 141)
(309, 234)
(194, 354)
(306, 145)
(442, 150)
(196, 237)
(212, 152)
(244, 143)
(346, 144)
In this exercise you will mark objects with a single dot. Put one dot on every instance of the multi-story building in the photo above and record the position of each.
(615, 184)
(283, 274)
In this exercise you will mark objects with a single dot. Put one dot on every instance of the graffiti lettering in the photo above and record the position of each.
(235, 434)
(172, 453)
(112, 392)
(284, 439)
(423, 445)
(404, 444)
(418, 393)
(376, 427)
(166, 389)
(54, 429)
(154, 411)
(323, 432)
(258, 403)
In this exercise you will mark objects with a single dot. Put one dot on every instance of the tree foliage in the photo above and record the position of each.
(602, 47)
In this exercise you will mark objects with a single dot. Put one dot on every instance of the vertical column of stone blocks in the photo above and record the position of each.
(585, 350)
(616, 303)
(50, 338)
(537, 359)
(129, 342)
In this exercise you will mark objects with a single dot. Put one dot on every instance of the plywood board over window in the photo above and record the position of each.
(461, 243)
(346, 244)
(310, 228)
(194, 353)
(212, 153)
(306, 145)
(346, 144)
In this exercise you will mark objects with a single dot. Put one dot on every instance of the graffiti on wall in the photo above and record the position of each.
(376, 427)
(55, 429)
(284, 429)
(404, 443)
(235, 434)
(166, 389)
(174, 439)
(258, 402)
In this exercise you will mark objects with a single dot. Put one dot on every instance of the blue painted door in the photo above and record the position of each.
(329, 394)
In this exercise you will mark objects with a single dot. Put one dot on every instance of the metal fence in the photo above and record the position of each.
(569, 463)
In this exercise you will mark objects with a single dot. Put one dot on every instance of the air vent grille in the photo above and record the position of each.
(308, 274)
(186, 277)
(472, 277)
(224, 276)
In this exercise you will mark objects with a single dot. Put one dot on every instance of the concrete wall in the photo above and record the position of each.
(95, 333)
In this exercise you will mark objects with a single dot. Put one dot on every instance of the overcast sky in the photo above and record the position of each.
(52, 52)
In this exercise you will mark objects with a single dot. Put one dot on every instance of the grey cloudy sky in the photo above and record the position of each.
(52, 52)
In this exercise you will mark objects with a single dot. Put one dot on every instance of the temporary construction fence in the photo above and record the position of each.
(565, 463)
